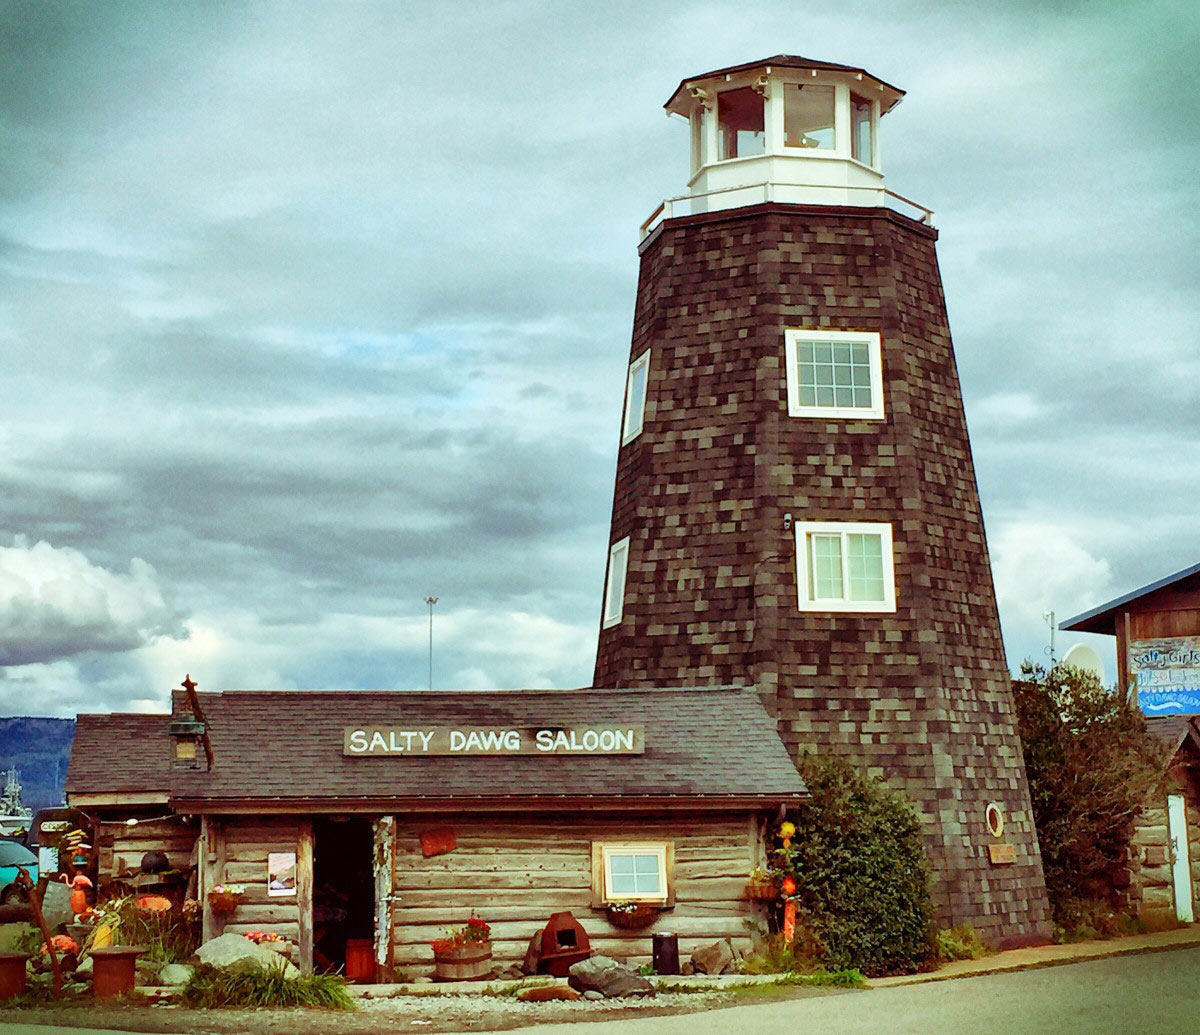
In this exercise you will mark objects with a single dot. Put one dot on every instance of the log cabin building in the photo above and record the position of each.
(390, 816)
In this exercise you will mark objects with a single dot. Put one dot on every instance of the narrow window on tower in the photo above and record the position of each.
(635, 396)
(614, 587)
(834, 374)
(808, 117)
(845, 566)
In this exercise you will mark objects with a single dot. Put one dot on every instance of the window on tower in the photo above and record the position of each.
(860, 129)
(635, 397)
(845, 566)
(808, 116)
(614, 586)
(740, 123)
(834, 374)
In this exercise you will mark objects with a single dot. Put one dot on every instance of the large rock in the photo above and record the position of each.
(547, 994)
(56, 905)
(608, 977)
(713, 959)
(233, 953)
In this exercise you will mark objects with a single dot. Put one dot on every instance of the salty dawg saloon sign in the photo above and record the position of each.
(426, 741)
(1168, 675)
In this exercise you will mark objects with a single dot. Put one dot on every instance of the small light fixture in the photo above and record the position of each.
(787, 522)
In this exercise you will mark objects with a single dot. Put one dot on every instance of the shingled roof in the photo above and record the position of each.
(119, 753)
(703, 748)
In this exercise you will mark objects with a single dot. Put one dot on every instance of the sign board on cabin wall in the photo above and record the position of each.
(423, 741)
(1168, 675)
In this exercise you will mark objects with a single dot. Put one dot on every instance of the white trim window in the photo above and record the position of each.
(635, 872)
(635, 396)
(845, 566)
(834, 374)
(614, 586)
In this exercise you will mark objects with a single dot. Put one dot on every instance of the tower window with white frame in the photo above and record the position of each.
(845, 566)
(861, 142)
(635, 397)
(614, 586)
(741, 123)
(834, 374)
(808, 116)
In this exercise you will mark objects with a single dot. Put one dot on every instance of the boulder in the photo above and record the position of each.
(592, 995)
(533, 955)
(175, 974)
(547, 993)
(611, 979)
(233, 953)
(713, 959)
(85, 968)
(56, 905)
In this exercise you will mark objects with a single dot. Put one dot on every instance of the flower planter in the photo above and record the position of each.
(464, 963)
(633, 919)
(12, 974)
(224, 902)
(760, 891)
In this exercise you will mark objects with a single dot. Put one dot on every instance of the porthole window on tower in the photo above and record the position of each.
(614, 587)
(845, 566)
(740, 123)
(834, 374)
(635, 397)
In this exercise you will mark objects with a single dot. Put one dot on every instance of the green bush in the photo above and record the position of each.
(960, 943)
(862, 880)
(265, 987)
(1091, 765)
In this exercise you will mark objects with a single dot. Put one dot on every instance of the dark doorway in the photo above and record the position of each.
(343, 888)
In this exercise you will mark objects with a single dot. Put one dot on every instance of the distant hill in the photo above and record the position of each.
(39, 749)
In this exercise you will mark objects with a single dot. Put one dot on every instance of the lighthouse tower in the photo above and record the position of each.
(795, 504)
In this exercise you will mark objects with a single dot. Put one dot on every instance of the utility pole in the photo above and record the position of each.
(431, 601)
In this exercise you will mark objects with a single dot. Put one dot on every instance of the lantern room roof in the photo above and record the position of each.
(892, 94)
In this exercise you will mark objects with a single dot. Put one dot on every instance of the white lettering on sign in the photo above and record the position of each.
(455, 740)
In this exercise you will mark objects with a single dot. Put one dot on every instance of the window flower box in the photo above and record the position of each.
(632, 915)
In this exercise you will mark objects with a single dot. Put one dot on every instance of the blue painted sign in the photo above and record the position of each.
(1168, 675)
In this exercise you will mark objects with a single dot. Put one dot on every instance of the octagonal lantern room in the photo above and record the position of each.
(786, 129)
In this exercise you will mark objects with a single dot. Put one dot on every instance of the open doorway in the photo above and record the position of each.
(343, 890)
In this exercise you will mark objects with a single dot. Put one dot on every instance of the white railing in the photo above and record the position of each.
(667, 208)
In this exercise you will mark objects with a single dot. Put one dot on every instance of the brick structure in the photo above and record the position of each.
(711, 492)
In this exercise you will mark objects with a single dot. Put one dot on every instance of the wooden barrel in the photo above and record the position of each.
(464, 963)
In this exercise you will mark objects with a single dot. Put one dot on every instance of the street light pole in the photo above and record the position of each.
(431, 601)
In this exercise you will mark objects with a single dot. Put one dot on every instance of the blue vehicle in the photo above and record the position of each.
(12, 855)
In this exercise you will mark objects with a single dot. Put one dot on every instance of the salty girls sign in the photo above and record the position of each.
(1168, 675)
(423, 741)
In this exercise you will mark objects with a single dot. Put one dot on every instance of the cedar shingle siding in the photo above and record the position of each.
(922, 695)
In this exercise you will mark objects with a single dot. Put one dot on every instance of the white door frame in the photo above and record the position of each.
(1181, 864)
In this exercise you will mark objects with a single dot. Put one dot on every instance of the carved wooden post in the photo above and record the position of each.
(304, 894)
(385, 842)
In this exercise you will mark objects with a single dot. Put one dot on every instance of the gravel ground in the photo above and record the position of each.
(407, 1013)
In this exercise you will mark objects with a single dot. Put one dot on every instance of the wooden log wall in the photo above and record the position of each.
(514, 871)
(247, 842)
(120, 847)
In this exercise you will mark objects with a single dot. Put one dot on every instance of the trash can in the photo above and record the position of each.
(666, 953)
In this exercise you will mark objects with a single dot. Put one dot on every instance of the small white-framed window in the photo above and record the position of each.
(635, 872)
(845, 566)
(614, 586)
(808, 116)
(834, 374)
(635, 396)
(741, 123)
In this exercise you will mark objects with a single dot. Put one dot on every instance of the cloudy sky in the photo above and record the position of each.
(308, 311)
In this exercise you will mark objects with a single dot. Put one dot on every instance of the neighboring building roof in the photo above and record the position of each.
(789, 61)
(1173, 730)
(119, 753)
(1103, 619)
(714, 745)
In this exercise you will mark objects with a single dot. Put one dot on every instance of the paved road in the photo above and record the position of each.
(1154, 994)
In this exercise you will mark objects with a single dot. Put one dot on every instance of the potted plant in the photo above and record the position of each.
(465, 952)
(225, 898)
(632, 915)
(761, 885)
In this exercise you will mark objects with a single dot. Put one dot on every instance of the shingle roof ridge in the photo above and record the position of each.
(729, 688)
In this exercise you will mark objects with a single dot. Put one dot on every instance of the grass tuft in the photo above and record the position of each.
(210, 988)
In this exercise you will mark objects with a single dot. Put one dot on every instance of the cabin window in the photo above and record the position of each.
(808, 116)
(860, 129)
(635, 397)
(633, 872)
(614, 588)
(834, 374)
(845, 566)
(740, 123)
